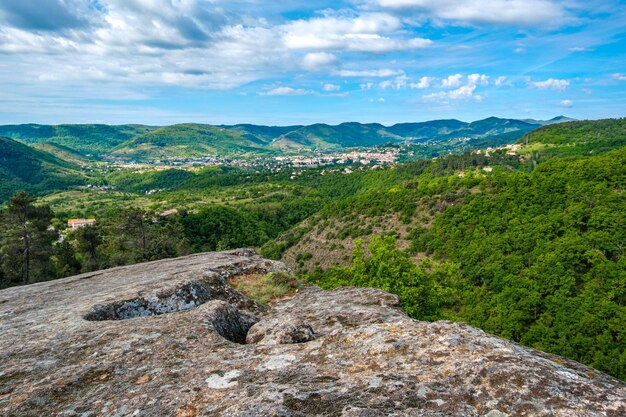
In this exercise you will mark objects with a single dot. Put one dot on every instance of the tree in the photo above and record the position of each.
(26, 243)
(129, 238)
(88, 241)
(65, 259)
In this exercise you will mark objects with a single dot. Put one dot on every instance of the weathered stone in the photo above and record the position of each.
(157, 340)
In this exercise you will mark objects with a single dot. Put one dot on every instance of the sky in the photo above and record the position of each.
(302, 61)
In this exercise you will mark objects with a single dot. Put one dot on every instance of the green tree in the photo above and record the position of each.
(88, 241)
(128, 237)
(26, 243)
(65, 259)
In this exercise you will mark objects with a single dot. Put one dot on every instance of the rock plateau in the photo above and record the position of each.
(173, 338)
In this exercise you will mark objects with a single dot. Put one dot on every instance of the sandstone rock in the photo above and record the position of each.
(167, 339)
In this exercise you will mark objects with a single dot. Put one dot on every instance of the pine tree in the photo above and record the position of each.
(26, 241)
(88, 241)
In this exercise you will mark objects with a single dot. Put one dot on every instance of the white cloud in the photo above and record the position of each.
(366, 33)
(423, 83)
(286, 91)
(452, 81)
(577, 49)
(619, 77)
(519, 50)
(195, 43)
(513, 12)
(377, 100)
(398, 83)
(500, 81)
(331, 87)
(459, 90)
(369, 73)
(465, 92)
(317, 60)
(566, 103)
(478, 79)
(366, 86)
(551, 84)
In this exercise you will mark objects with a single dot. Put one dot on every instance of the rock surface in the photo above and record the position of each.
(168, 338)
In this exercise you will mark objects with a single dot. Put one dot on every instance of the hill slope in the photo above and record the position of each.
(529, 249)
(137, 142)
(25, 168)
(86, 139)
(189, 140)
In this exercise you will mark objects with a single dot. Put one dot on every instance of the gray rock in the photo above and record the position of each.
(167, 339)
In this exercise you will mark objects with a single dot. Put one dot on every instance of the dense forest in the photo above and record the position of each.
(526, 244)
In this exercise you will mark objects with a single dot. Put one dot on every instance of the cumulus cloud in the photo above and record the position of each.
(198, 43)
(551, 84)
(286, 91)
(317, 60)
(462, 93)
(478, 79)
(566, 103)
(398, 83)
(423, 83)
(510, 12)
(331, 87)
(452, 81)
(366, 33)
(619, 77)
(460, 88)
(500, 81)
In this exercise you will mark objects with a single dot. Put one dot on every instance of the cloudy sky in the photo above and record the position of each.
(306, 61)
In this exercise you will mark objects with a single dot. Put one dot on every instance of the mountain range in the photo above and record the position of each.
(141, 142)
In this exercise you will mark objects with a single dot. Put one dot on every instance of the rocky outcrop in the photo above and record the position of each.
(172, 338)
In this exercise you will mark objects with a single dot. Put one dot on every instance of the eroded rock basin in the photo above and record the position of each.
(173, 338)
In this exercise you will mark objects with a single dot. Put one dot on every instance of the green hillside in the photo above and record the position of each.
(62, 152)
(262, 134)
(25, 168)
(426, 130)
(138, 142)
(579, 132)
(345, 135)
(86, 139)
(189, 140)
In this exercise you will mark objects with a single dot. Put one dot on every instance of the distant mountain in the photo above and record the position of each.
(190, 140)
(85, 139)
(345, 135)
(264, 134)
(554, 120)
(426, 130)
(139, 142)
(25, 168)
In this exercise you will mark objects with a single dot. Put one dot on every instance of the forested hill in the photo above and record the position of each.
(138, 142)
(593, 132)
(84, 138)
(529, 246)
(25, 168)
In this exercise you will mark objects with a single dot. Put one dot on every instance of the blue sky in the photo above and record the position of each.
(293, 62)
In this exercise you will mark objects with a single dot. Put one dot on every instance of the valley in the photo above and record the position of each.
(522, 238)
